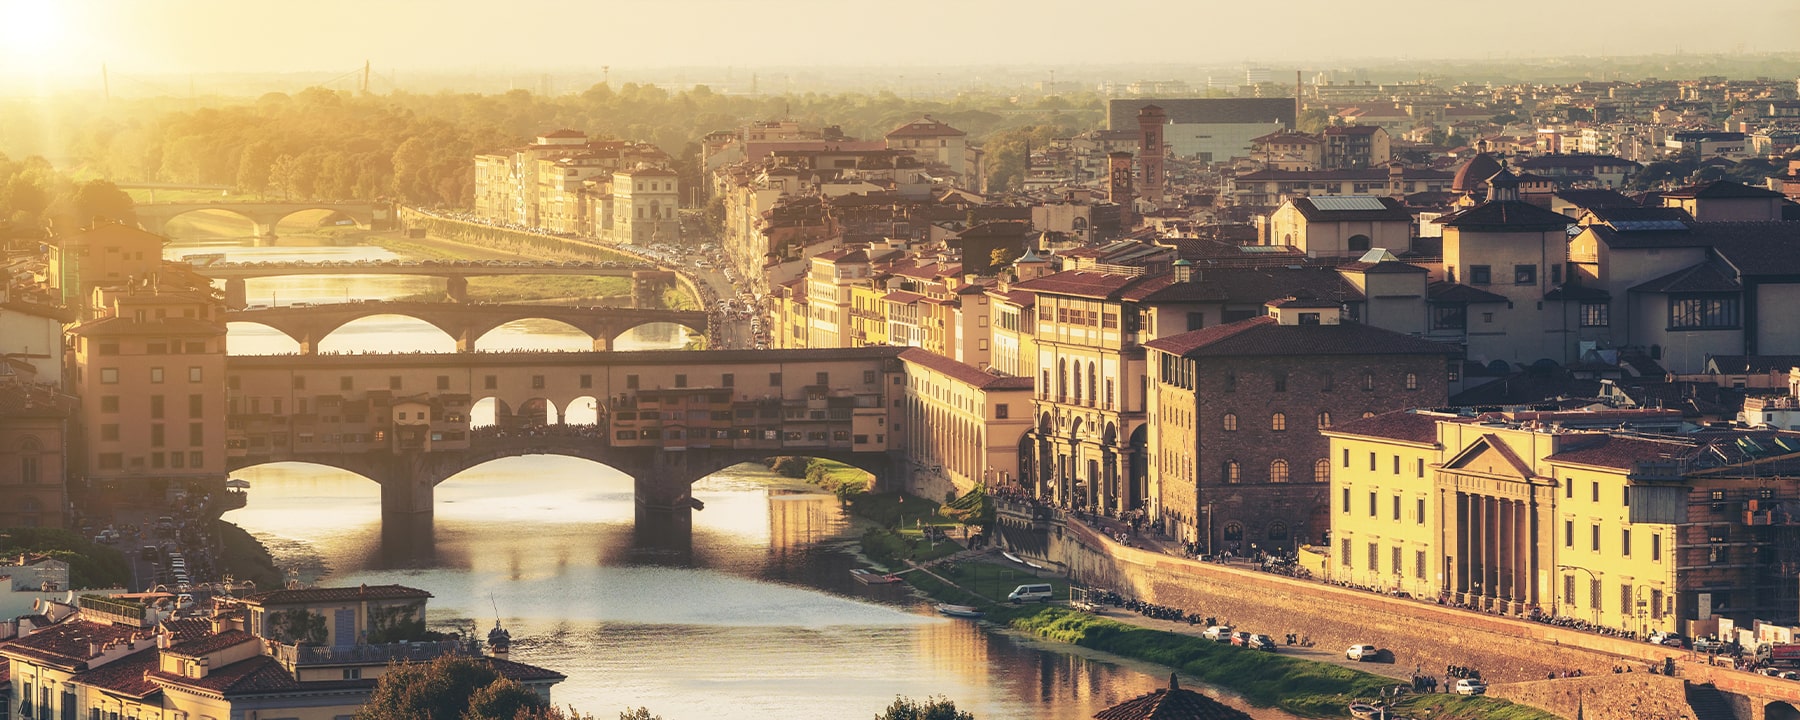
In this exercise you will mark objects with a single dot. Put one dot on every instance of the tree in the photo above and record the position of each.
(936, 708)
(1003, 257)
(102, 200)
(254, 166)
(452, 687)
(1312, 121)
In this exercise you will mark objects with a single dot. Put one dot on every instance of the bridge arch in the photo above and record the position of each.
(584, 410)
(675, 338)
(564, 338)
(326, 334)
(538, 412)
(254, 338)
(1780, 710)
(161, 226)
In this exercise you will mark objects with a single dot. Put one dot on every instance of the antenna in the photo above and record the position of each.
(365, 77)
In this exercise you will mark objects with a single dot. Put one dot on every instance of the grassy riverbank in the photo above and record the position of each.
(91, 565)
(244, 558)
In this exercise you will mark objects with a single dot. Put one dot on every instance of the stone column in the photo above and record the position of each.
(1503, 551)
(1490, 539)
(1465, 541)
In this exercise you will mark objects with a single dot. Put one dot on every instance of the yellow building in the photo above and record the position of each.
(963, 424)
(868, 321)
(1564, 513)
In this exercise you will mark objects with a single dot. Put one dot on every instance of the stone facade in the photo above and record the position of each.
(1637, 696)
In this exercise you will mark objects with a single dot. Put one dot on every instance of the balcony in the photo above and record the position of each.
(292, 656)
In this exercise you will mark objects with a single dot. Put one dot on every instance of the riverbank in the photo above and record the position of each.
(243, 557)
(508, 288)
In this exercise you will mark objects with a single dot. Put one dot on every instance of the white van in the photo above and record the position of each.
(1035, 592)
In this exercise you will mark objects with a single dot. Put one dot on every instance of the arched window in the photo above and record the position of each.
(1278, 531)
(1359, 243)
(1093, 385)
(1278, 422)
(1231, 421)
(1062, 379)
(1324, 420)
(1368, 413)
(1322, 470)
(1234, 532)
(1233, 473)
(1368, 381)
(1412, 381)
(1278, 471)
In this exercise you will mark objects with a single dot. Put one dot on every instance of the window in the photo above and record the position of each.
(1419, 511)
(1374, 557)
(1359, 243)
(1346, 457)
(1594, 593)
(1419, 564)
(1322, 470)
(869, 375)
(1324, 420)
(1569, 488)
(823, 378)
(194, 374)
(1395, 560)
(1655, 547)
(1278, 471)
(1368, 381)
(1524, 274)
(1196, 320)
(537, 382)
(1233, 473)
(109, 403)
(1569, 589)
(1555, 273)
(587, 381)
(1420, 467)
(1596, 490)
(1231, 422)
(1344, 552)
(1396, 508)
(1480, 275)
(393, 382)
(109, 432)
(1230, 381)
(1281, 382)
(196, 435)
(1625, 496)
(156, 407)
(1449, 317)
(1625, 599)
(1569, 534)
(774, 379)
(1412, 381)
(1625, 542)
(1278, 422)
(680, 380)
(156, 375)
(1703, 312)
(1346, 503)
(1595, 314)
(1594, 538)
(345, 383)
(1372, 504)
(299, 382)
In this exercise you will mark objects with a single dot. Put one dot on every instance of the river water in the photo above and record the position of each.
(760, 620)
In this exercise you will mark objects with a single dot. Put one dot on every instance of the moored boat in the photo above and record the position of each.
(961, 611)
(870, 577)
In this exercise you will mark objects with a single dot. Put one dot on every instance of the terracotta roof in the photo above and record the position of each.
(1353, 130)
(118, 326)
(1702, 278)
(1248, 285)
(71, 643)
(1404, 425)
(925, 127)
(336, 594)
(210, 643)
(1587, 198)
(1383, 267)
(1577, 293)
(125, 676)
(1354, 174)
(903, 297)
(1733, 364)
(1263, 336)
(1572, 162)
(1635, 212)
(963, 372)
(259, 675)
(1623, 453)
(1508, 214)
(1081, 283)
(1171, 703)
(520, 672)
(1449, 292)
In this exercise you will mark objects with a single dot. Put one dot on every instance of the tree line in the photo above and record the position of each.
(419, 148)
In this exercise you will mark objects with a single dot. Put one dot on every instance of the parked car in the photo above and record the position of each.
(1261, 642)
(1362, 653)
(1471, 686)
(1218, 633)
(1240, 639)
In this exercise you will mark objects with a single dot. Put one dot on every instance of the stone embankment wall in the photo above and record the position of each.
(1637, 696)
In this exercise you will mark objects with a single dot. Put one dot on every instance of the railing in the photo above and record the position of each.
(295, 655)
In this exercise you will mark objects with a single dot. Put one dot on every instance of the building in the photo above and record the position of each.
(27, 580)
(1341, 226)
(1726, 201)
(105, 254)
(1207, 129)
(311, 653)
(644, 201)
(964, 425)
(150, 369)
(1349, 147)
(1515, 250)
(34, 430)
(936, 143)
(1621, 518)
(1235, 459)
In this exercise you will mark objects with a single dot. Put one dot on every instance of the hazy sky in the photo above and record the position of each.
(57, 37)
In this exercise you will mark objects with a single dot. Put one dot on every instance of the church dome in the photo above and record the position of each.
(1474, 173)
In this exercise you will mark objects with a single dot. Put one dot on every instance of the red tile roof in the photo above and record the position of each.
(1083, 283)
(1509, 214)
(1623, 453)
(963, 372)
(125, 676)
(1404, 425)
(1171, 703)
(201, 646)
(1263, 336)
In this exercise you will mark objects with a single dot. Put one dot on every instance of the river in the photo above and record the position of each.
(760, 620)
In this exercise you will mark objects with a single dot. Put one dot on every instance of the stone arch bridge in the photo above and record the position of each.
(308, 325)
(666, 418)
(648, 281)
(155, 217)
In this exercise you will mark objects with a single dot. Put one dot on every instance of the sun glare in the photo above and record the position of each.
(30, 29)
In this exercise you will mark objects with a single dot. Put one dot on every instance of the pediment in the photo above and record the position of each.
(1490, 456)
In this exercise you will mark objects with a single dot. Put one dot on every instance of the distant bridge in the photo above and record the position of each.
(309, 325)
(648, 279)
(155, 217)
(666, 418)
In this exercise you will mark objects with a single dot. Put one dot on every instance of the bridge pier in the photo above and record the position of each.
(237, 294)
(407, 491)
(602, 343)
(456, 287)
(665, 511)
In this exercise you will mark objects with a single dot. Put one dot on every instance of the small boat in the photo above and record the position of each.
(1365, 711)
(961, 611)
(870, 577)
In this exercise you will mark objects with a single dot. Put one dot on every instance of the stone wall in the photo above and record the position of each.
(1637, 696)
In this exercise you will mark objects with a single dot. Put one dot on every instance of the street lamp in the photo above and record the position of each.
(1596, 583)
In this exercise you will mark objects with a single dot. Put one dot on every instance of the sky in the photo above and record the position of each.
(51, 38)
